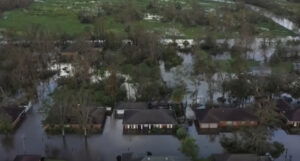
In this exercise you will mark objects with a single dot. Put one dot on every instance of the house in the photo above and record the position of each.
(29, 158)
(149, 120)
(283, 105)
(224, 117)
(291, 112)
(15, 113)
(165, 104)
(96, 123)
(239, 157)
(293, 117)
(123, 106)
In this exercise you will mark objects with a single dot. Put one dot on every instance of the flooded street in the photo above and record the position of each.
(30, 138)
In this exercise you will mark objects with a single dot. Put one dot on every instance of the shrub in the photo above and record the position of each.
(86, 17)
(181, 133)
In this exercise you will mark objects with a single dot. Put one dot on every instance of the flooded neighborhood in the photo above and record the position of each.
(149, 80)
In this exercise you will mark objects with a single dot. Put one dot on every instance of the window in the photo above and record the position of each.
(229, 123)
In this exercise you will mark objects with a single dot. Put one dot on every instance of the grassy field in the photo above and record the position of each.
(61, 16)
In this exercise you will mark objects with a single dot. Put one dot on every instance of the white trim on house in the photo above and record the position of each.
(120, 111)
(148, 126)
(209, 125)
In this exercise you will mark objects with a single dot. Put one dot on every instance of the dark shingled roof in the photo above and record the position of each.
(149, 116)
(224, 114)
(98, 115)
(240, 157)
(13, 111)
(283, 105)
(132, 105)
(28, 158)
(293, 115)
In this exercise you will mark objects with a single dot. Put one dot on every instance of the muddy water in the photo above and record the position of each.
(30, 138)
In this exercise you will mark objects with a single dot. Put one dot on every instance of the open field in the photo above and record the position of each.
(61, 16)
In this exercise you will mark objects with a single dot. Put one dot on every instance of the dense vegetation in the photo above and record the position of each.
(189, 19)
(13, 4)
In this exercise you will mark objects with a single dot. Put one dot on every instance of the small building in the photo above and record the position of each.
(15, 113)
(224, 118)
(149, 121)
(123, 106)
(292, 117)
(239, 157)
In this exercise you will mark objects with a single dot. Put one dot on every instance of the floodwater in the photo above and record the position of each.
(284, 22)
(30, 138)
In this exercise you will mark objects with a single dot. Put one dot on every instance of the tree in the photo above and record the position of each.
(190, 148)
(267, 113)
(252, 140)
(239, 88)
(5, 123)
(205, 66)
(84, 102)
(181, 133)
(60, 109)
(178, 94)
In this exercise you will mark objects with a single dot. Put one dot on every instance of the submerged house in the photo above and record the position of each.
(239, 157)
(293, 118)
(290, 112)
(224, 118)
(15, 114)
(123, 106)
(97, 117)
(149, 121)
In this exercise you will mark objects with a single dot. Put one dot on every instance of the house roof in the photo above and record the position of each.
(13, 111)
(240, 157)
(283, 105)
(293, 115)
(163, 104)
(97, 116)
(132, 105)
(149, 116)
(224, 114)
(28, 158)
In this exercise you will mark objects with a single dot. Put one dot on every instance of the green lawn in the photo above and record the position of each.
(282, 68)
(61, 16)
